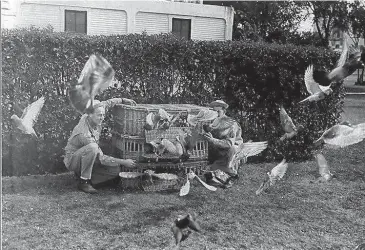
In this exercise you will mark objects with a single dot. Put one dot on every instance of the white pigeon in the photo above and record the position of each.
(246, 150)
(29, 117)
(342, 135)
(185, 189)
(273, 176)
(323, 167)
(317, 92)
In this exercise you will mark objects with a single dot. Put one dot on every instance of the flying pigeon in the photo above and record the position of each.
(272, 177)
(181, 227)
(323, 168)
(96, 76)
(288, 126)
(342, 135)
(316, 91)
(246, 150)
(346, 65)
(29, 117)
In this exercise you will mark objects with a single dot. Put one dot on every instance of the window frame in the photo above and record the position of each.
(76, 12)
(180, 32)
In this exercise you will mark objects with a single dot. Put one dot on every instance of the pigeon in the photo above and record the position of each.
(185, 189)
(246, 150)
(342, 135)
(316, 91)
(181, 227)
(344, 67)
(323, 168)
(96, 76)
(288, 126)
(29, 117)
(273, 176)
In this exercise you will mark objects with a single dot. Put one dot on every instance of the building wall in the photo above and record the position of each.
(208, 22)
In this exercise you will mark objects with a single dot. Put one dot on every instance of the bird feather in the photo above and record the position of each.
(31, 113)
(286, 121)
(311, 85)
(344, 55)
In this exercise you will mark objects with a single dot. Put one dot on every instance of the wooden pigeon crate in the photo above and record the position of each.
(134, 147)
(181, 168)
(200, 150)
(130, 120)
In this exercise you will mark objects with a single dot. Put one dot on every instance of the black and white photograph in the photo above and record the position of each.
(182, 124)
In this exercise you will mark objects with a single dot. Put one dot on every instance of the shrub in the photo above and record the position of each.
(253, 78)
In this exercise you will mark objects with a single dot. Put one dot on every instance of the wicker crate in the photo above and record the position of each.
(131, 119)
(129, 147)
(180, 169)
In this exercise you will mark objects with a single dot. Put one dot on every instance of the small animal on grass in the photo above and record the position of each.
(29, 117)
(96, 76)
(316, 91)
(182, 227)
(342, 135)
(288, 126)
(324, 171)
(276, 174)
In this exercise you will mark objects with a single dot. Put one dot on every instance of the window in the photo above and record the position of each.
(75, 21)
(181, 27)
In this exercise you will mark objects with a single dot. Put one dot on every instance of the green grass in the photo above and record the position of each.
(297, 213)
(47, 212)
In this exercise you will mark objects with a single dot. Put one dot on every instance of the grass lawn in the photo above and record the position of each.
(47, 212)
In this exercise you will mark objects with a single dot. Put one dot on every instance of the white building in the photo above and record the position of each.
(185, 18)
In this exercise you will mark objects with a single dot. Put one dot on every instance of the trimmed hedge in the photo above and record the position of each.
(253, 78)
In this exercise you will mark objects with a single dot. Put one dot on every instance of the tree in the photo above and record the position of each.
(328, 15)
(356, 30)
(263, 20)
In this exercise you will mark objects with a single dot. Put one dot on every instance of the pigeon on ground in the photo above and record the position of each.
(342, 135)
(185, 189)
(323, 168)
(96, 76)
(316, 91)
(288, 126)
(273, 176)
(181, 227)
(29, 117)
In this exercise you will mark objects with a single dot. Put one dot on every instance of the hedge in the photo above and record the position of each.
(253, 78)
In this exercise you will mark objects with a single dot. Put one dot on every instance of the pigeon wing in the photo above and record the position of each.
(251, 148)
(344, 140)
(311, 85)
(323, 165)
(31, 113)
(344, 54)
(102, 75)
(286, 121)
